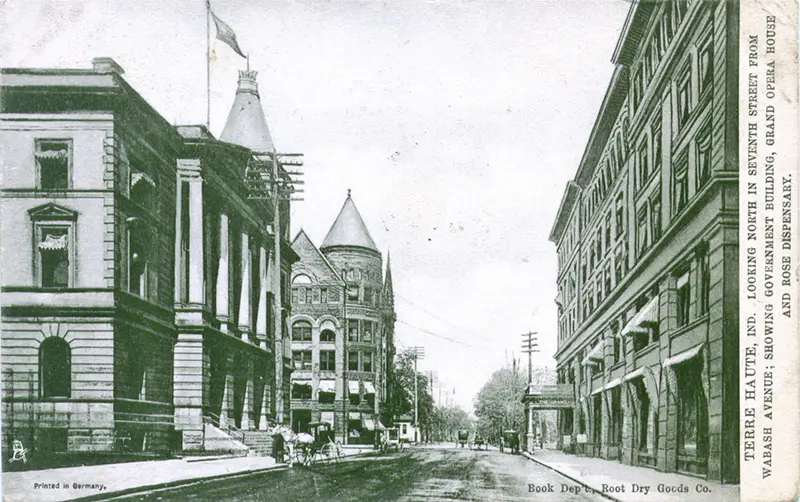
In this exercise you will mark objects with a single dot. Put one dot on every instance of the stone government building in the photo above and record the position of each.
(342, 329)
(647, 242)
(145, 269)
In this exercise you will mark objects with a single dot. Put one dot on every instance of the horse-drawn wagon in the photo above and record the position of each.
(463, 438)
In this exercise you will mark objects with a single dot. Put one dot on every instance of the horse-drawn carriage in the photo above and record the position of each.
(510, 440)
(388, 439)
(479, 443)
(463, 438)
(307, 447)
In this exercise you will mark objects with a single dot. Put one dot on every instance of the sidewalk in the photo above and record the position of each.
(103, 480)
(627, 483)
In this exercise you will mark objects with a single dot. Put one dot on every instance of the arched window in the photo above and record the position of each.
(327, 336)
(55, 368)
(301, 331)
(301, 279)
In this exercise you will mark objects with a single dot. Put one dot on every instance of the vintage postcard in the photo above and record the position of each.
(413, 250)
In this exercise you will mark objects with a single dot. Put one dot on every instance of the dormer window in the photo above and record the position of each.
(53, 164)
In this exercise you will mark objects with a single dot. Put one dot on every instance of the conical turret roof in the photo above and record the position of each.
(247, 125)
(349, 229)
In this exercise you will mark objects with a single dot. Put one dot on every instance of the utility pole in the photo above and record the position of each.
(417, 353)
(530, 345)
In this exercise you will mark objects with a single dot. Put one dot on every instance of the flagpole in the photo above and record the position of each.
(208, 65)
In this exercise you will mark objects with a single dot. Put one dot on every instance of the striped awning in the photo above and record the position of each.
(53, 243)
(648, 315)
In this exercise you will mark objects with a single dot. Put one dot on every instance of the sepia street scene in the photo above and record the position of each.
(350, 250)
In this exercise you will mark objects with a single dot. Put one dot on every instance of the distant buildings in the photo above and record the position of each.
(647, 242)
(342, 330)
(145, 268)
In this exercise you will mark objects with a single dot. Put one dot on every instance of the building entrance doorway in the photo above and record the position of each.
(300, 420)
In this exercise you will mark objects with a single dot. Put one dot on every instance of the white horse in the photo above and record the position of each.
(294, 442)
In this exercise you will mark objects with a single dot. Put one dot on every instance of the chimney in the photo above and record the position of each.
(247, 82)
(106, 65)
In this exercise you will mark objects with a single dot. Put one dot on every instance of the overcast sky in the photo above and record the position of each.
(455, 124)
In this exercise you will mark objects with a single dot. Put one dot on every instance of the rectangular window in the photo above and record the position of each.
(137, 263)
(680, 184)
(683, 299)
(643, 165)
(618, 269)
(608, 230)
(656, 132)
(53, 253)
(53, 159)
(327, 360)
(309, 295)
(368, 330)
(706, 67)
(323, 295)
(368, 296)
(352, 330)
(620, 214)
(366, 361)
(641, 235)
(295, 296)
(704, 155)
(704, 287)
(684, 90)
(352, 293)
(655, 215)
(352, 360)
(302, 359)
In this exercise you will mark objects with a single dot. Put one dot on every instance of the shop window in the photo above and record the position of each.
(301, 331)
(53, 255)
(53, 163)
(680, 183)
(643, 414)
(704, 155)
(55, 368)
(327, 360)
(352, 330)
(692, 411)
(352, 360)
(683, 293)
(615, 435)
(327, 336)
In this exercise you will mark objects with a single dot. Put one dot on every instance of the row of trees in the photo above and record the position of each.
(499, 407)
(437, 423)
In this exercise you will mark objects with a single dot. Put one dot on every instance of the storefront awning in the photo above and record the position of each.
(302, 382)
(633, 374)
(354, 415)
(683, 356)
(327, 386)
(352, 386)
(647, 316)
(369, 388)
(137, 177)
(368, 423)
(595, 355)
(326, 416)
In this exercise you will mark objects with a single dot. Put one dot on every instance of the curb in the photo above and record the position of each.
(585, 485)
(178, 483)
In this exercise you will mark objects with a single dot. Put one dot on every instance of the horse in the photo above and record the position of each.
(294, 442)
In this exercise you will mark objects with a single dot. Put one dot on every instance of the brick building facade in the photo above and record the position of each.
(647, 243)
(342, 330)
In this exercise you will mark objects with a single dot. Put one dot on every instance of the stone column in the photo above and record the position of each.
(262, 422)
(223, 284)
(245, 312)
(196, 250)
(263, 287)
